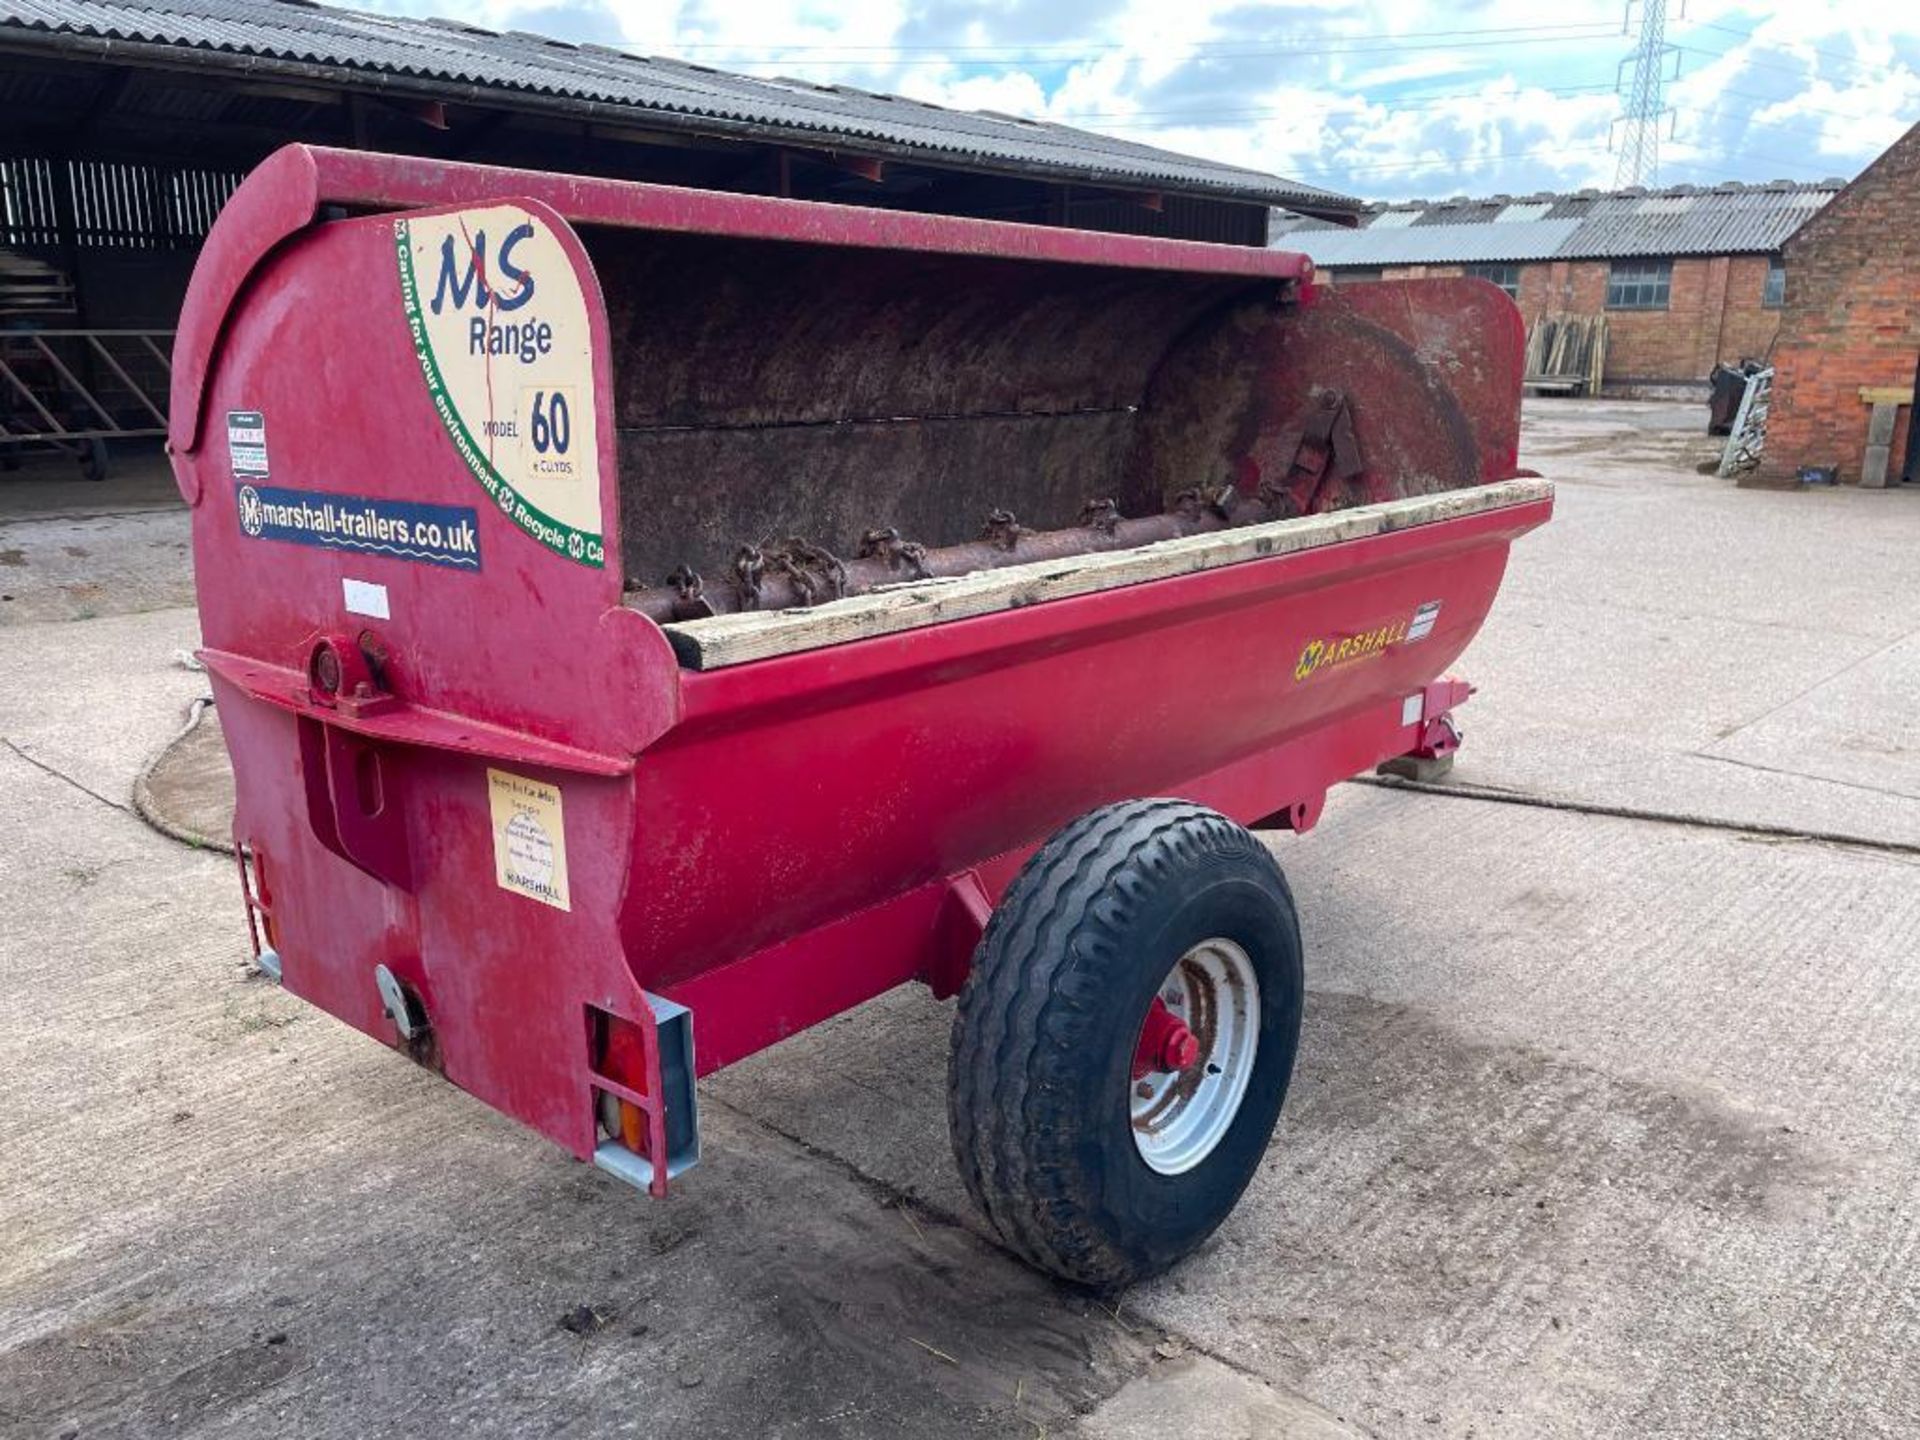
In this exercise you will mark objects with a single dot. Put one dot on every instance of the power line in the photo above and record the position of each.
(955, 62)
(1205, 119)
(1016, 49)
(1473, 163)
(1834, 55)
(1156, 120)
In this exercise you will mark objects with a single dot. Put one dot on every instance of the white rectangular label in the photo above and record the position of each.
(366, 598)
(247, 444)
(1413, 709)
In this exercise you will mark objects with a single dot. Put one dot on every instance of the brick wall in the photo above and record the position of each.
(1716, 311)
(1852, 320)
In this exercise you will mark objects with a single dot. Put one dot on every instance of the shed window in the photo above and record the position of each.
(1355, 275)
(1775, 293)
(1639, 284)
(1504, 274)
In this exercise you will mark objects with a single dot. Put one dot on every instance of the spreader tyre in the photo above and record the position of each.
(1124, 1042)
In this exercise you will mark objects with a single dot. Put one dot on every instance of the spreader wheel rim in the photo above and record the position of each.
(1179, 1116)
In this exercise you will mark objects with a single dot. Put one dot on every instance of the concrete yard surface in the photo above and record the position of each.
(1674, 644)
(1606, 1122)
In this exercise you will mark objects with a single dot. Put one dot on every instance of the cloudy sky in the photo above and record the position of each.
(1385, 99)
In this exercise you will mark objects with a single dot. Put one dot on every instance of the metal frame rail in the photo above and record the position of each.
(36, 417)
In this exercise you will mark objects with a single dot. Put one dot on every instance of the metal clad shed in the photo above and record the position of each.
(1588, 225)
(126, 124)
(1433, 244)
(1677, 279)
(448, 61)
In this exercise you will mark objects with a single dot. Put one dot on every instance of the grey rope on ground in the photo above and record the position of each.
(1494, 795)
(143, 802)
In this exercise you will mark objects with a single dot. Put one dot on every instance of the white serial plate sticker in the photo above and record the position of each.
(363, 597)
(529, 838)
(247, 444)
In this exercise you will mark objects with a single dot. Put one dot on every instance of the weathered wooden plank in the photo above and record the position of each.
(723, 640)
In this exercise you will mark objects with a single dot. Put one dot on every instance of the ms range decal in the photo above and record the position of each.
(432, 534)
(499, 324)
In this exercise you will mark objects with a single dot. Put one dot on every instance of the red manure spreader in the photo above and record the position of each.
(647, 622)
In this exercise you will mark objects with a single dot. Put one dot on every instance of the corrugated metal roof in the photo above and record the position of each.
(289, 34)
(1728, 219)
(1755, 219)
(1522, 210)
(1433, 244)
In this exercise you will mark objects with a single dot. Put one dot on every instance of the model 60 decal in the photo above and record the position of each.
(499, 322)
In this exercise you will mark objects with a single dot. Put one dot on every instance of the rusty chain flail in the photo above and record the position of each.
(1001, 529)
(886, 545)
(1102, 515)
(814, 571)
(690, 594)
(749, 564)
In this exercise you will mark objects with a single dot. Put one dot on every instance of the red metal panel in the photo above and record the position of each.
(528, 642)
(835, 778)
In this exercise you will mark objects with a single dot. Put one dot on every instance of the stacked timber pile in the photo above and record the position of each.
(1567, 353)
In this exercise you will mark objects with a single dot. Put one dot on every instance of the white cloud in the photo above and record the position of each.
(1383, 98)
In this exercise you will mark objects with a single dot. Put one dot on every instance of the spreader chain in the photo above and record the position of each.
(813, 569)
(1001, 529)
(1101, 515)
(749, 564)
(1199, 502)
(897, 553)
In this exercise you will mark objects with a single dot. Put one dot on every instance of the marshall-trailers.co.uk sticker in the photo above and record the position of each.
(499, 324)
(529, 838)
(247, 444)
(366, 524)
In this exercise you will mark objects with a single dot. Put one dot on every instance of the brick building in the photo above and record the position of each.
(1686, 276)
(1850, 334)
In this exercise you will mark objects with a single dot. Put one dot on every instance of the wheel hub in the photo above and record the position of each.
(1195, 1056)
(1165, 1042)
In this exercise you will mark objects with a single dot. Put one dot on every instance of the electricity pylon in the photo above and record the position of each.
(1639, 127)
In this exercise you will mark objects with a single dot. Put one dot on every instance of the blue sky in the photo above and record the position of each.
(1386, 99)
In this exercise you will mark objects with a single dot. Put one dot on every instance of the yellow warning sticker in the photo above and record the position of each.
(529, 838)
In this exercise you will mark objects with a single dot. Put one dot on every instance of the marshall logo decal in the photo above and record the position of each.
(1334, 651)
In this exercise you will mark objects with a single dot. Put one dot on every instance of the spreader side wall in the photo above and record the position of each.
(515, 633)
(508, 690)
(801, 789)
